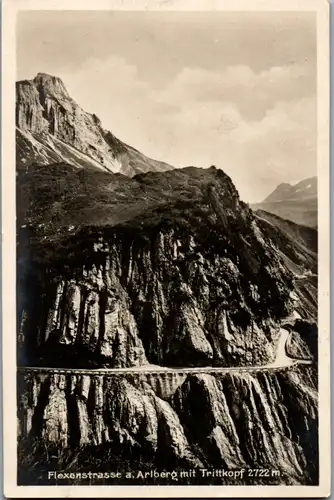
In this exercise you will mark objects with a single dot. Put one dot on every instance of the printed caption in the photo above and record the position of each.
(174, 475)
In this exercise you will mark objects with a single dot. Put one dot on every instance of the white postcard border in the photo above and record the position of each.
(10, 8)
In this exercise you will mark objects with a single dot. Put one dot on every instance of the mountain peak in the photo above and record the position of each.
(296, 202)
(53, 128)
(50, 83)
(282, 191)
(307, 188)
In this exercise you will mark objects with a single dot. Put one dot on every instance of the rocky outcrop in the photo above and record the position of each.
(52, 127)
(158, 301)
(90, 318)
(254, 408)
(29, 111)
(173, 284)
(231, 421)
(80, 410)
(303, 341)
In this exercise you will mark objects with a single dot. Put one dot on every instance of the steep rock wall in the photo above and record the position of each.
(44, 107)
(157, 298)
(233, 420)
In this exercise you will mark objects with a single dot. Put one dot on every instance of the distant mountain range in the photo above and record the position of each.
(53, 128)
(298, 202)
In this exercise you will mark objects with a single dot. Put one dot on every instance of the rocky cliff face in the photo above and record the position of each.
(176, 284)
(232, 421)
(52, 127)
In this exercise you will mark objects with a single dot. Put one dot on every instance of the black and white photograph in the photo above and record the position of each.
(170, 214)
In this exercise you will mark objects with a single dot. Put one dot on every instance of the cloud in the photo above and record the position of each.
(260, 127)
(279, 148)
(253, 93)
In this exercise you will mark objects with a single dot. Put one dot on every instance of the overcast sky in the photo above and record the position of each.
(237, 90)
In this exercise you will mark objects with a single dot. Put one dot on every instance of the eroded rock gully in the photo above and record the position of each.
(229, 420)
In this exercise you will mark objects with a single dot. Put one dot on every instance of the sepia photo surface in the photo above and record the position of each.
(166, 249)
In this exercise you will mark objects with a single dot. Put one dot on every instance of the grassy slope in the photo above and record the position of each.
(59, 195)
(59, 201)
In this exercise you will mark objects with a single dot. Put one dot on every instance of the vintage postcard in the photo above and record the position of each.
(165, 188)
